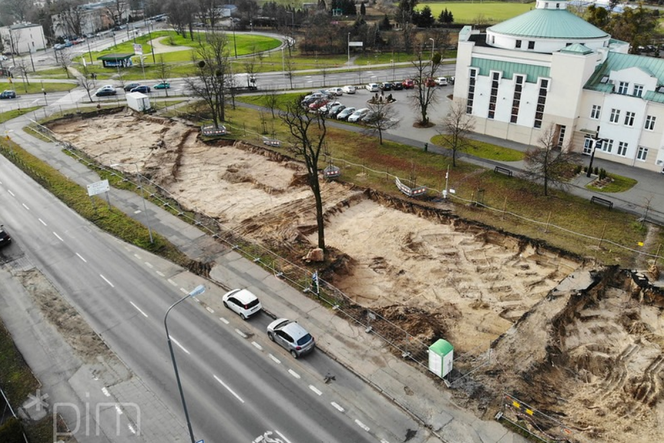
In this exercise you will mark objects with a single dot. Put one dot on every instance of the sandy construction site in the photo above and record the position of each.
(472, 284)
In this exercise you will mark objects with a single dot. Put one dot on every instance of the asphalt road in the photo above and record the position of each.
(238, 384)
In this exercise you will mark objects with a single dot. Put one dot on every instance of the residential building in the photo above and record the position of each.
(22, 38)
(548, 68)
(90, 18)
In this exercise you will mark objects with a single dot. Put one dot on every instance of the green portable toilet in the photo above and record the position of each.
(441, 355)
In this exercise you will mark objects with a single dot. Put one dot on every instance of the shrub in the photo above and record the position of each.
(11, 431)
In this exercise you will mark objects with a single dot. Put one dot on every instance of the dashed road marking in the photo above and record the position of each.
(384, 441)
(229, 389)
(275, 359)
(337, 407)
(294, 374)
(149, 265)
(139, 309)
(240, 333)
(25, 206)
(315, 389)
(172, 282)
(257, 346)
(105, 391)
(184, 291)
(224, 320)
(11, 193)
(362, 425)
(81, 257)
(118, 410)
(42, 222)
(131, 429)
(209, 309)
(181, 347)
(56, 234)
(137, 256)
(106, 280)
(161, 274)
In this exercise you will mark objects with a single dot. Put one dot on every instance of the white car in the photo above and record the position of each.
(373, 87)
(343, 115)
(326, 107)
(442, 81)
(243, 302)
(349, 89)
(357, 115)
(335, 91)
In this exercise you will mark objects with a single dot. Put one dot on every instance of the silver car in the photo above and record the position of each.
(291, 336)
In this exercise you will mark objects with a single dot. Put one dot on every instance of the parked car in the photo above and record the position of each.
(325, 109)
(357, 115)
(442, 81)
(408, 84)
(397, 86)
(309, 99)
(373, 87)
(162, 85)
(291, 336)
(315, 106)
(7, 94)
(386, 86)
(130, 86)
(59, 46)
(335, 110)
(369, 117)
(142, 88)
(349, 89)
(430, 83)
(336, 91)
(3, 58)
(105, 91)
(5, 238)
(343, 115)
(243, 302)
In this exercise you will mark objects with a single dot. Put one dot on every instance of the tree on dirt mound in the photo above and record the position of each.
(550, 163)
(213, 78)
(308, 132)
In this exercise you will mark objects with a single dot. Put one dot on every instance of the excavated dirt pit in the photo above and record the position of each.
(442, 278)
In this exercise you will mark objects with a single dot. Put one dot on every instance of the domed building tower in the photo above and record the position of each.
(548, 68)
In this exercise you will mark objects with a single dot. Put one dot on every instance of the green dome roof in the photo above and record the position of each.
(549, 23)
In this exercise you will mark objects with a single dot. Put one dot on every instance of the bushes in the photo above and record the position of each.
(11, 431)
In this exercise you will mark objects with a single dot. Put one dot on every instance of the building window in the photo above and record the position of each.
(642, 154)
(622, 148)
(561, 135)
(517, 44)
(638, 90)
(622, 87)
(596, 112)
(650, 123)
(472, 78)
(588, 142)
(493, 97)
(541, 102)
(629, 118)
(531, 45)
(615, 115)
(516, 100)
(607, 146)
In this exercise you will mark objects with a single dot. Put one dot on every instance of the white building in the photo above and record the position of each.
(90, 18)
(22, 38)
(550, 68)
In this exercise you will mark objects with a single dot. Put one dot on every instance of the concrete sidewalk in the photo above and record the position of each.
(425, 399)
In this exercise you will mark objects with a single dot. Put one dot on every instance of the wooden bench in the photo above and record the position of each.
(601, 201)
(501, 170)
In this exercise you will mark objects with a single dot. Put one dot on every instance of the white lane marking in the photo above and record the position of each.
(131, 429)
(181, 347)
(161, 274)
(229, 389)
(149, 265)
(24, 205)
(59, 238)
(257, 346)
(139, 309)
(137, 256)
(384, 441)
(240, 333)
(11, 193)
(337, 407)
(209, 309)
(315, 389)
(172, 282)
(196, 299)
(105, 391)
(106, 280)
(118, 410)
(275, 359)
(184, 291)
(42, 222)
(294, 374)
(224, 320)
(362, 425)
(282, 437)
(81, 257)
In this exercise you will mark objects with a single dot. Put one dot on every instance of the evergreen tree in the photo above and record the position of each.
(426, 19)
(363, 9)
(385, 24)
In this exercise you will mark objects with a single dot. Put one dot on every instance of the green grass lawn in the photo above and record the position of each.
(619, 184)
(468, 12)
(34, 86)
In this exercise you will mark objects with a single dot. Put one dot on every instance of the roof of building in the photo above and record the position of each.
(549, 23)
(616, 62)
(577, 48)
(115, 57)
(532, 72)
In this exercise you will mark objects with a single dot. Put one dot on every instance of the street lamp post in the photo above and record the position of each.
(197, 291)
(596, 142)
(433, 45)
(145, 208)
(349, 47)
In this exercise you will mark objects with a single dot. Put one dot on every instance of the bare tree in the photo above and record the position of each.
(382, 116)
(163, 72)
(213, 75)
(117, 10)
(457, 124)
(64, 60)
(86, 81)
(424, 93)
(548, 163)
(309, 132)
(18, 8)
(271, 100)
(70, 16)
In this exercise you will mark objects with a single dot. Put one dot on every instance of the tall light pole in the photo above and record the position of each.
(145, 208)
(433, 44)
(197, 291)
(349, 47)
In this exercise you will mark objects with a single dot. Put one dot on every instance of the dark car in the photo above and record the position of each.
(131, 86)
(103, 92)
(142, 88)
(5, 239)
(8, 94)
(398, 86)
(386, 86)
